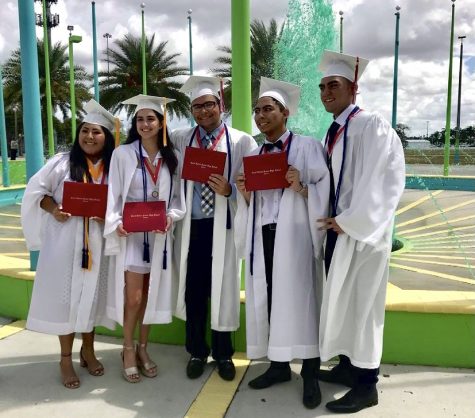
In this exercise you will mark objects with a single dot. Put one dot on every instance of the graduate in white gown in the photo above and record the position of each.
(283, 249)
(69, 292)
(366, 163)
(206, 263)
(145, 168)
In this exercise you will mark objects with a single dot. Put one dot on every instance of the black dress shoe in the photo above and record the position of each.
(272, 376)
(312, 397)
(355, 400)
(340, 374)
(226, 369)
(195, 367)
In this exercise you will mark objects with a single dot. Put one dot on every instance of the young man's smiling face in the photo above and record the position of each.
(270, 118)
(336, 94)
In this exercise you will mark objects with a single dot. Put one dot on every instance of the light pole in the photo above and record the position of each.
(3, 137)
(72, 40)
(107, 35)
(192, 121)
(427, 130)
(395, 74)
(94, 51)
(457, 134)
(341, 31)
(191, 45)
(144, 68)
(449, 97)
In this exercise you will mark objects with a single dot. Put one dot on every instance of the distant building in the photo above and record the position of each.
(418, 144)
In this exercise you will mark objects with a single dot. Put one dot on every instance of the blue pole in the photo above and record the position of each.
(3, 137)
(94, 52)
(30, 82)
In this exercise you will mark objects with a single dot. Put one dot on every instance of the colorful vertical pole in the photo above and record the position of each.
(30, 81)
(395, 73)
(3, 137)
(94, 52)
(49, 104)
(144, 68)
(459, 102)
(241, 65)
(449, 97)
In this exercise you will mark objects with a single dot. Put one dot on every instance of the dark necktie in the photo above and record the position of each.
(207, 194)
(332, 134)
(269, 146)
(331, 235)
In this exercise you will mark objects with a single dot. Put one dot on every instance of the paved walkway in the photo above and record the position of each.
(30, 388)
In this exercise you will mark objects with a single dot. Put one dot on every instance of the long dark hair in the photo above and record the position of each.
(167, 152)
(77, 158)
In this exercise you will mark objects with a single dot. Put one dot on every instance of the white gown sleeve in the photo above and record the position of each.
(177, 208)
(378, 184)
(114, 205)
(317, 178)
(43, 183)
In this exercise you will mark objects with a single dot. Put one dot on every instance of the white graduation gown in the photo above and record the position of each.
(225, 275)
(160, 302)
(66, 298)
(352, 316)
(297, 265)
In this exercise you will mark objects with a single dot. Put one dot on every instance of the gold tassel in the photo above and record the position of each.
(117, 132)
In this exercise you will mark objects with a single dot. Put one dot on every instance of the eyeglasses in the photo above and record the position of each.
(207, 106)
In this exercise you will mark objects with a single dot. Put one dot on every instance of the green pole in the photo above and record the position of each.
(449, 97)
(241, 65)
(72, 39)
(3, 137)
(49, 104)
(341, 31)
(396, 58)
(94, 52)
(144, 68)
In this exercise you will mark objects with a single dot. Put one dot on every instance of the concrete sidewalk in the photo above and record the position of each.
(30, 387)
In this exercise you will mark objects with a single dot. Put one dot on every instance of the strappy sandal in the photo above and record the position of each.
(96, 371)
(69, 382)
(149, 368)
(131, 374)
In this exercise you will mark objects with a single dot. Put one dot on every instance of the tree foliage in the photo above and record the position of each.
(263, 42)
(125, 77)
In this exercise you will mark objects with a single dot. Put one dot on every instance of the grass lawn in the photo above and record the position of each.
(17, 172)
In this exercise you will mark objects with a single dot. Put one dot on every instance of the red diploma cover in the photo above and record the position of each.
(266, 171)
(145, 216)
(85, 199)
(200, 163)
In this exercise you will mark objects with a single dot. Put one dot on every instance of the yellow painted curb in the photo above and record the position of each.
(217, 394)
(11, 329)
(418, 202)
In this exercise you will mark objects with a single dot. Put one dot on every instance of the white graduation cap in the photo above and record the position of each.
(285, 93)
(199, 86)
(98, 115)
(159, 104)
(143, 101)
(336, 64)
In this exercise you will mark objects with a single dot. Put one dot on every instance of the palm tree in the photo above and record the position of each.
(125, 77)
(59, 70)
(263, 42)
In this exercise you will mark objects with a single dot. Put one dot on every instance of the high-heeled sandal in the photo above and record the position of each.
(129, 372)
(149, 368)
(69, 382)
(97, 371)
